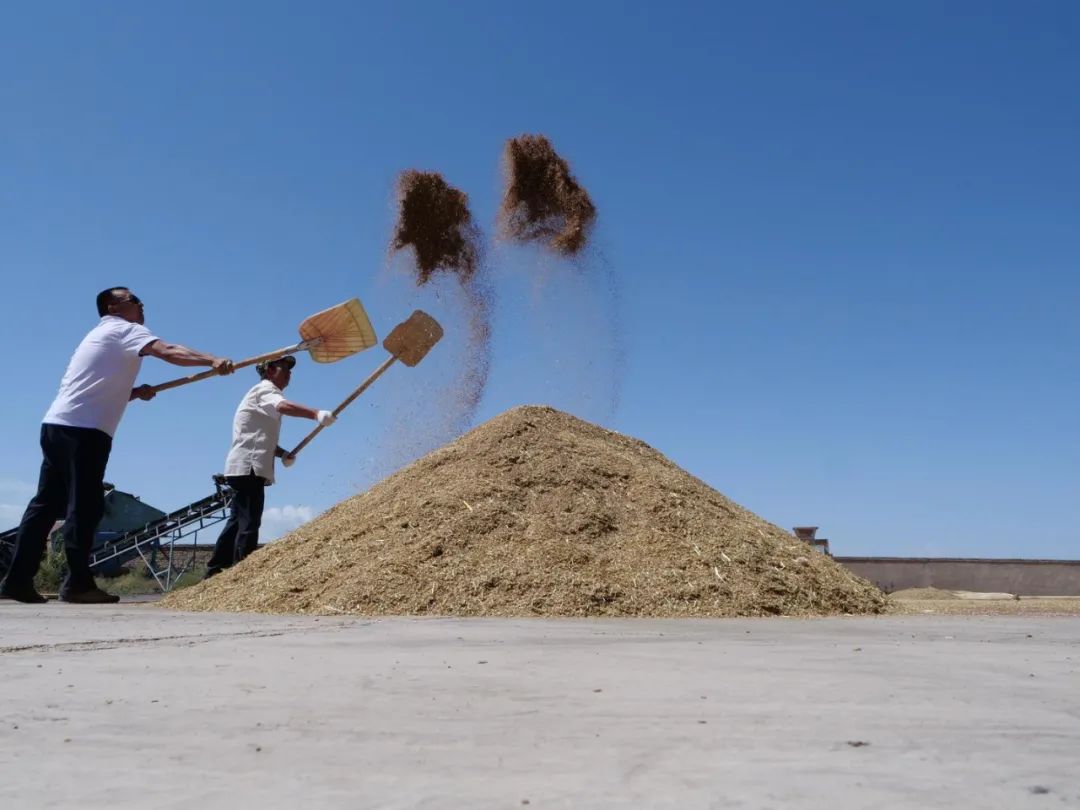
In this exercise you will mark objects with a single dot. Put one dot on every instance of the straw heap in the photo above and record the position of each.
(537, 513)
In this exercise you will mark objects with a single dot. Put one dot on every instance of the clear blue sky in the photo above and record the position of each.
(838, 242)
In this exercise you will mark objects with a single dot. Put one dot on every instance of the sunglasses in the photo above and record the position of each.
(131, 299)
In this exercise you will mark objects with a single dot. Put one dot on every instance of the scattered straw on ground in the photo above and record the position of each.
(543, 201)
(916, 594)
(992, 595)
(537, 513)
(1024, 606)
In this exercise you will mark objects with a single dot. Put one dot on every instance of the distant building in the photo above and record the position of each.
(808, 535)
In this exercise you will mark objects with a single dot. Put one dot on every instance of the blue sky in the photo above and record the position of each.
(836, 257)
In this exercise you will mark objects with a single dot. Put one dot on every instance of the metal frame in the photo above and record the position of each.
(161, 535)
(156, 537)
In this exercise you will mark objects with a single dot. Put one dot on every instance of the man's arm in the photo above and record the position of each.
(286, 408)
(183, 356)
(324, 418)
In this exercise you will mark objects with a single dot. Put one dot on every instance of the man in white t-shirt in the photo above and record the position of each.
(76, 438)
(249, 466)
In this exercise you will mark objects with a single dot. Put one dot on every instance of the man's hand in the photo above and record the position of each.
(325, 418)
(287, 460)
(143, 392)
(223, 366)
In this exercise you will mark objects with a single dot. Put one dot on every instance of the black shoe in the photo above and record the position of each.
(94, 596)
(29, 597)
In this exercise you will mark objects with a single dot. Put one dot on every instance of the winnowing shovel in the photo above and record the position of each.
(408, 342)
(328, 336)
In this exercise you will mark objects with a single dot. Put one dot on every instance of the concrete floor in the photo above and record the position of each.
(133, 706)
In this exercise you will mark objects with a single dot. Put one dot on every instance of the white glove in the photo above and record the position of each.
(325, 418)
(288, 460)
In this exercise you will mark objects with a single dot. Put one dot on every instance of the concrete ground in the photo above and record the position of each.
(134, 706)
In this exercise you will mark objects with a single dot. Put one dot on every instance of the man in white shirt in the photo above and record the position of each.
(76, 438)
(249, 466)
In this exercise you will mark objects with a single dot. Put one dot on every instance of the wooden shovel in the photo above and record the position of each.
(408, 342)
(328, 336)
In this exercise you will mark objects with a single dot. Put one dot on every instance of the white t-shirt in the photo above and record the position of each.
(255, 432)
(99, 378)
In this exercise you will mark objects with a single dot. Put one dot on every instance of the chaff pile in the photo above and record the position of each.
(537, 513)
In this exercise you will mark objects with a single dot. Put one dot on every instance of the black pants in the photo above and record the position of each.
(240, 536)
(71, 486)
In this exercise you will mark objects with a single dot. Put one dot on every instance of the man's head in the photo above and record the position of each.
(279, 371)
(121, 302)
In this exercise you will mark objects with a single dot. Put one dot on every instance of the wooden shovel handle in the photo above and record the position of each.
(389, 361)
(203, 375)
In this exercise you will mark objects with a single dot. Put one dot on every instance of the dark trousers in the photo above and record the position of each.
(240, 536)
(71, 486)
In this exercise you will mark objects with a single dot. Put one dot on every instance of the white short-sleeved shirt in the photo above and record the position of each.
(97, 384)
(256, 428)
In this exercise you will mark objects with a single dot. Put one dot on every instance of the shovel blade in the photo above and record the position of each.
(342, 331)
(413, 338)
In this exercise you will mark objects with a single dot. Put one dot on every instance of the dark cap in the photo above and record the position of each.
(288, 361)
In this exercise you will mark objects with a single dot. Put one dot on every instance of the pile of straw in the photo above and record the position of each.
(537, 513)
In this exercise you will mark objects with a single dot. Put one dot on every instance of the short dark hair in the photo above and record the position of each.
(105, 297)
